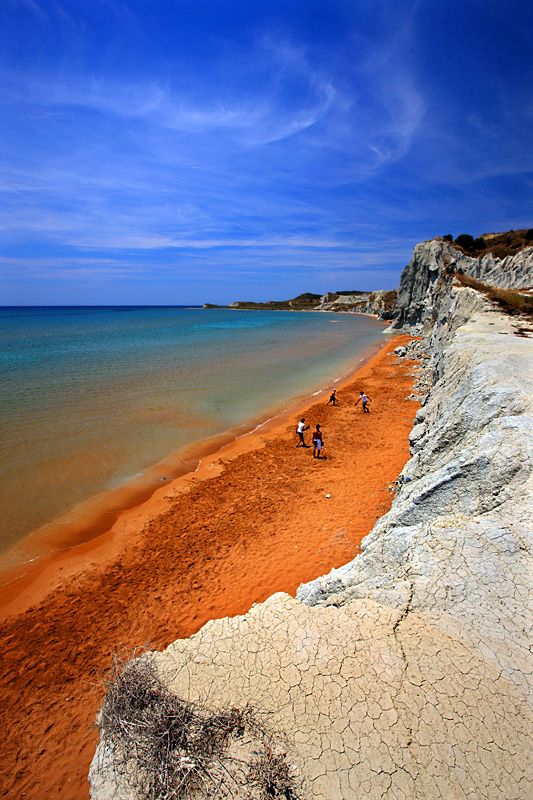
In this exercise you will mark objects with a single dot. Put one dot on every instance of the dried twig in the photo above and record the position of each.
(167, 748)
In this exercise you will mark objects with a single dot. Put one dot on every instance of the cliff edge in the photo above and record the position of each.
(407, 672)
(423, 281)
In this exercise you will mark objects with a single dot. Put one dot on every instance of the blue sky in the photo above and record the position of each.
(206, 150)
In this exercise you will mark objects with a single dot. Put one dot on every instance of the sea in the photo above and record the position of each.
(95, 398)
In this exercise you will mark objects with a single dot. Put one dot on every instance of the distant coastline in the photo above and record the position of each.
(380, 303)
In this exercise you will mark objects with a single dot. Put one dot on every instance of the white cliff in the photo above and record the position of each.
(406, 673)
(422, 281)
(381, 302)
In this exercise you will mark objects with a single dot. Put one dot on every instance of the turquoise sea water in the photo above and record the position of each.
(91, 397)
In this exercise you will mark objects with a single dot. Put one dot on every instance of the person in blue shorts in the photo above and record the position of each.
(318, 442)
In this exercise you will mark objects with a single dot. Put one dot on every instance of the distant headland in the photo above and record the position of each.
(380, 303)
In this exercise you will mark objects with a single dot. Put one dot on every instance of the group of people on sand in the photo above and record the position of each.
(317, 436)
(363, 398)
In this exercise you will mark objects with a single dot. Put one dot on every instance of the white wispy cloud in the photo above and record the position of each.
(252, 122)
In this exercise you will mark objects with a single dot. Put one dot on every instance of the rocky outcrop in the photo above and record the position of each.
(381, 303)
(424, 280)
(406, 673)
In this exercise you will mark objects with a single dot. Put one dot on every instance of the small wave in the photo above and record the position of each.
(260, 425)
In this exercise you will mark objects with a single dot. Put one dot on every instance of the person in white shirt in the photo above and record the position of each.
(365, 400)
(301, 427)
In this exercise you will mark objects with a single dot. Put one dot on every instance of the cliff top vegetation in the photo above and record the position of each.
(509, 301)
(499, 244)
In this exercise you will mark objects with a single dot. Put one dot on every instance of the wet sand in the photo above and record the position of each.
(251, 521)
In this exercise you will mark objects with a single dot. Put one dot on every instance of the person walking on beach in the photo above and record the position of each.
(301, 427)
(318, 442)
(365, 400)
(332, 398)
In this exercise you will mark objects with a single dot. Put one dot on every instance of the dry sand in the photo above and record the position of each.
(252, 521)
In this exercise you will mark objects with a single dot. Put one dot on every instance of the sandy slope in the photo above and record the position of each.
(252, 522)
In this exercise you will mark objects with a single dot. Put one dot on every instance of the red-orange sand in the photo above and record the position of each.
(252, 521)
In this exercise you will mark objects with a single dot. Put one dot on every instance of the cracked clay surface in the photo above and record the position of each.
(406, 673)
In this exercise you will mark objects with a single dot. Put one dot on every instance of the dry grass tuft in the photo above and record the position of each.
(166, 748)
(512, 302)
(270, 774)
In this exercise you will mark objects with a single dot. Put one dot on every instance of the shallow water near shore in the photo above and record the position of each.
(91, 398)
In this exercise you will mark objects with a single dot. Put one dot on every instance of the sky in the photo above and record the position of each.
(191, 151)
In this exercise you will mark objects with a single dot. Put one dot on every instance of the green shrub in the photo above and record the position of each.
(465, 241)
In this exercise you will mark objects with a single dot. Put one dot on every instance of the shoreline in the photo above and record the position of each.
(254, 520)
(74, 460)
(89, 526)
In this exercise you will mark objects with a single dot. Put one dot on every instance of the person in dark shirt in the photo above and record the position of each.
(332, 398)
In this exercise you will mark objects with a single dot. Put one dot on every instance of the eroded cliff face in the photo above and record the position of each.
(381, 303)
(423, 281)
(406, 673)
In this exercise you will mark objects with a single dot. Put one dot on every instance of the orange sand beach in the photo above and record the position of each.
(251, 521)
